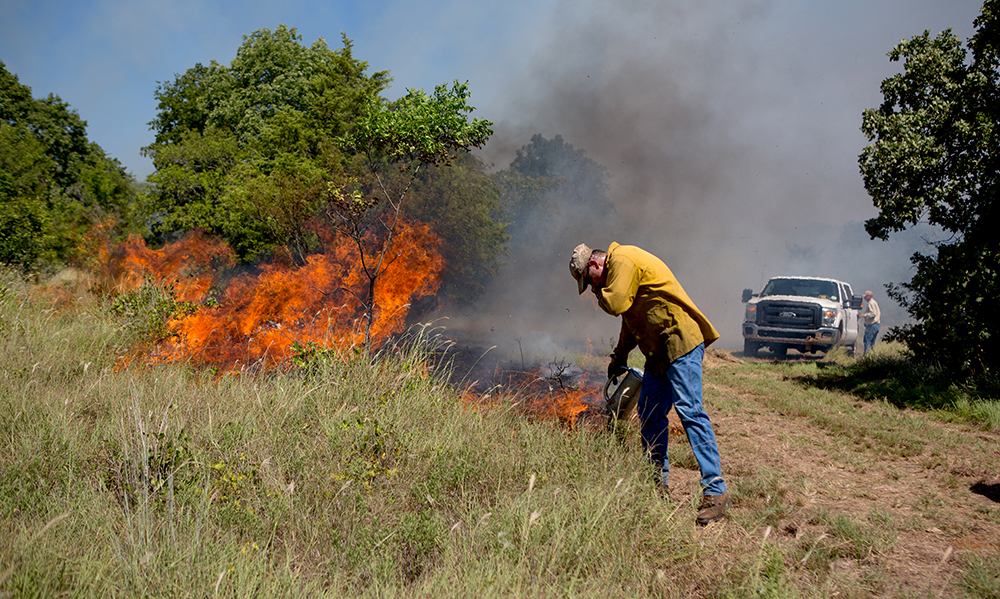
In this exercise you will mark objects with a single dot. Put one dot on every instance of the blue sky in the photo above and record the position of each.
(105, 57)
(730, 129)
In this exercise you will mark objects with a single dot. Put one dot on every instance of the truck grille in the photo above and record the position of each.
(788, 315)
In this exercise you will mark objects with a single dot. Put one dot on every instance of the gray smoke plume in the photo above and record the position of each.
(731, 141)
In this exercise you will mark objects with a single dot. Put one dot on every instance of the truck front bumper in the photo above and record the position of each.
(824, 337)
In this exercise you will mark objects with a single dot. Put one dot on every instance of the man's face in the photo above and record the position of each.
(595, 276)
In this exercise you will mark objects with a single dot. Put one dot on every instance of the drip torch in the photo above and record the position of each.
(622, 394)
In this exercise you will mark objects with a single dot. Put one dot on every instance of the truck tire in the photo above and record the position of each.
(750, 348)
(780, 351)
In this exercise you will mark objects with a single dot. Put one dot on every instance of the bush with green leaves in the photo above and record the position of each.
(934, 159)
(145, 312)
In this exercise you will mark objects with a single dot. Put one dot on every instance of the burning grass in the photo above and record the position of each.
(193, 305)
(556, 391)
(258, 318)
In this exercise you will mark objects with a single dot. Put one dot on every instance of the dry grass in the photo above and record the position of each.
(372, 478)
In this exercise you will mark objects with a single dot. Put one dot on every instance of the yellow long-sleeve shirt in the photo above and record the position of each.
(657, 314)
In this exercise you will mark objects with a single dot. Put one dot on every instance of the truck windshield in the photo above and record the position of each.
(801, 287)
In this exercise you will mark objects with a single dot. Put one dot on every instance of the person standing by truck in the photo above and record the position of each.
(659, 317)
(872, 315)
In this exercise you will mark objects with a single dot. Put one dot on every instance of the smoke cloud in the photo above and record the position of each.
(731, 140)
(730, 129)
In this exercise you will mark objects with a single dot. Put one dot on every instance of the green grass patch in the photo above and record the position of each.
(889, 373)
(879, 430)
(981, 576)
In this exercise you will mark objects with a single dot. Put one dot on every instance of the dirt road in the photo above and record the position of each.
(860, 497)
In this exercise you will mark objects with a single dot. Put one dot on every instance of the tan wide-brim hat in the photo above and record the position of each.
(578, 265)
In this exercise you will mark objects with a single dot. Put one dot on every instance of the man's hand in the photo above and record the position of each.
(616, 368)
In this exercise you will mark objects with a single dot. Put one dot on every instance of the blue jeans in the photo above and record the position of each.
(680, 388)
(871, 332)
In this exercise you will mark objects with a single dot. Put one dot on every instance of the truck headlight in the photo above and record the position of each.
(829, 317)
(751, 314)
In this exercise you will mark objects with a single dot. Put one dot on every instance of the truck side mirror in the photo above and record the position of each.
(856, 302)
(747, 294)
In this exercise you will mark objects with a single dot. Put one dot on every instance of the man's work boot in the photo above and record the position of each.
(713, 507)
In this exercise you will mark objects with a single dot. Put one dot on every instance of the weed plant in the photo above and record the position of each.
(145, 311)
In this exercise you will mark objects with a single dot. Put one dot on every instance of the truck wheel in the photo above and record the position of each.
(750, 348)
(780, 351)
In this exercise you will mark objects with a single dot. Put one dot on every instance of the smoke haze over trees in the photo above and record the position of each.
(730, 137)
(248, 165)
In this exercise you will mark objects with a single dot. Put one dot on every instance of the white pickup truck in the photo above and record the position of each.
(808, 314)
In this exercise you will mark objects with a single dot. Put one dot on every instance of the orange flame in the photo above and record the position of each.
(541, 397)
(569, 404)
(258, 318)
(190, 265)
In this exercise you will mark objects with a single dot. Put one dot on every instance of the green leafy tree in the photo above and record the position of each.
(392, 142)
(243, 150)
(190, 178)
(55, 185)
(934, 157)
(549, 182)
(463, 203)
(24, 217)
(247, 152)
(184, 105)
